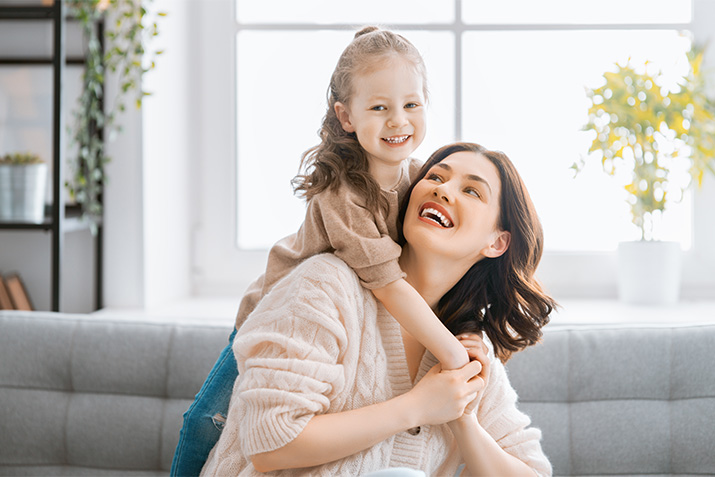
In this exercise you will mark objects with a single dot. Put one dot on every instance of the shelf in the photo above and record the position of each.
(68, 219)
(26, 12)
(38, 61)
(72, 222)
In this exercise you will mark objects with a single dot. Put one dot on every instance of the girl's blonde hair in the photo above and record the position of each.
(339, 156)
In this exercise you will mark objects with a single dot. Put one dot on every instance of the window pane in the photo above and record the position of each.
(576, 11)
(281, 104)
(524, 94)
(346, 12)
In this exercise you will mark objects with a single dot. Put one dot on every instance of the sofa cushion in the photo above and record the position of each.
(622, 400)
(84, 394)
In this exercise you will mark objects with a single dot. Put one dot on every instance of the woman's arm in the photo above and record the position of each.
(439, 397)
(482, 454)
(408, 307)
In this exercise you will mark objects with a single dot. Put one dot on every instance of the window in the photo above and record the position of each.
(509, 75)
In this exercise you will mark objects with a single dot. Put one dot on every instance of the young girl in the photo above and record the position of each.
(354, 181)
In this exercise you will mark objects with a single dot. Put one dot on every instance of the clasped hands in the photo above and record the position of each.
(452, 394)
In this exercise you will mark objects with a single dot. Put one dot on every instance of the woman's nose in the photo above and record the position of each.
(441, 192)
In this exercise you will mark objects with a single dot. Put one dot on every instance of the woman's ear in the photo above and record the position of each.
(341, 111)
(499, 245)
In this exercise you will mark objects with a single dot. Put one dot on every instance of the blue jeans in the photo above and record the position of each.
(205, 418)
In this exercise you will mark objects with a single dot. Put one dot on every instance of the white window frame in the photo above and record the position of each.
(220, 268)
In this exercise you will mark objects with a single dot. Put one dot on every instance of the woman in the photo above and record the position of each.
(330, 384)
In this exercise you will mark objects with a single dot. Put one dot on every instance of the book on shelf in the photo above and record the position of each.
(5, 301)
(17, 292)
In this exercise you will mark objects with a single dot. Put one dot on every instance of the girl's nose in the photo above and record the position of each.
(397, 119)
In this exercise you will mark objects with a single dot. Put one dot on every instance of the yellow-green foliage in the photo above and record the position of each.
(20, 158)
(645, 129)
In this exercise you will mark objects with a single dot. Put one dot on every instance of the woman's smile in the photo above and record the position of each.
(435, 214)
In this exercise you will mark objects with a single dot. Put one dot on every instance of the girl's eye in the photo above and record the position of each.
(378, 108)
(411, 105)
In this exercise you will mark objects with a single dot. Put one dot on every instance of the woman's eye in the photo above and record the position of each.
(474, 192)
(434, 177)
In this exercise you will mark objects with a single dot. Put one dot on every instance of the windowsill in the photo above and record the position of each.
(199, 310)
(222, 311)
(577, 312)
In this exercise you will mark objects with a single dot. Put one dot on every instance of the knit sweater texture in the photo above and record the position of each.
(338, 221)
(320, 342)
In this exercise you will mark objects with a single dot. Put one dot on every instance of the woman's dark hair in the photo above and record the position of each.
(499, 296)
(339, 156)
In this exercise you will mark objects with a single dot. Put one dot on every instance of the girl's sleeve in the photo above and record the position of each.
(289, 355)
(509, 427)
(358, 237)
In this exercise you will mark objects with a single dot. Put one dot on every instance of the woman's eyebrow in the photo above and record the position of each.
(471, 177)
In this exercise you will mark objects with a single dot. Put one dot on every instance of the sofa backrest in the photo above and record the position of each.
(71, 403)
(622, 400)
(619, 400)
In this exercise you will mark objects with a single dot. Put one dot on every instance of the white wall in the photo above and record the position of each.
(150, 204)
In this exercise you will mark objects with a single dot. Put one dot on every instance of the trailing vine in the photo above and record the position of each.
(126, 31)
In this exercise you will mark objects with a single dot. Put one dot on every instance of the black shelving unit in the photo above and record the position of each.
(60, 218)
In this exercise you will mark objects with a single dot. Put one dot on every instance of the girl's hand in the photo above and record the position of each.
(442, 395)
(477, 351)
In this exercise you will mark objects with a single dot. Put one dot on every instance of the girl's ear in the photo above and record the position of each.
(499, 245)
(341, 111)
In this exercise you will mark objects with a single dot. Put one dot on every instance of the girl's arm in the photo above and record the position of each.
(482, 454)
(414, 314)
(437, 398)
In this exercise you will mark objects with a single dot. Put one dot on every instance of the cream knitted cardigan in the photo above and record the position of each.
(320, 343)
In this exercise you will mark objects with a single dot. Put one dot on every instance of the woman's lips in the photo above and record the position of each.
(432, 212)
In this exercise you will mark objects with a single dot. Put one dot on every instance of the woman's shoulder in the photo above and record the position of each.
(326, 271)
(324, 262)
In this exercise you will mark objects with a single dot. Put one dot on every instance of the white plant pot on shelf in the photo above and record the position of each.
(649, 272)
(22, 192)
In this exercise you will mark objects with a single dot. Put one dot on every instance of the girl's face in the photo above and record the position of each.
(453, 211)
(386, 111)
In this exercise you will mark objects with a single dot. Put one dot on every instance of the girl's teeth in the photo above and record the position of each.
(396, 140)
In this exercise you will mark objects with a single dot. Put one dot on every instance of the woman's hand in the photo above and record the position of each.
(477, 351)
(442, 395)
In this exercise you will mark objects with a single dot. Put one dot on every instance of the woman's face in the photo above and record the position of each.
(453, 210)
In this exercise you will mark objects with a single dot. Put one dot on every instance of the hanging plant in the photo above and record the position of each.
(126, 31)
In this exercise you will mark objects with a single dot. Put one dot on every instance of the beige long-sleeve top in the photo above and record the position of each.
(339, 222)
(321, 343)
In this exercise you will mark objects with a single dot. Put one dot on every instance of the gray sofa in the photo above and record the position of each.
(90, 395)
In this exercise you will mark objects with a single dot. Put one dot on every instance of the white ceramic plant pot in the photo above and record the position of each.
(22, 192)
(649, 272)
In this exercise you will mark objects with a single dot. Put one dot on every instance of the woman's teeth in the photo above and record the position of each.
(437, 216)
(396, 139)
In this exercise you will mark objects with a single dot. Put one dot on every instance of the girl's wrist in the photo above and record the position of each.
(464, 423)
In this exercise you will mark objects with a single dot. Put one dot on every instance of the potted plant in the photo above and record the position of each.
(120, 51)
(647, 133)
(23, 185)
